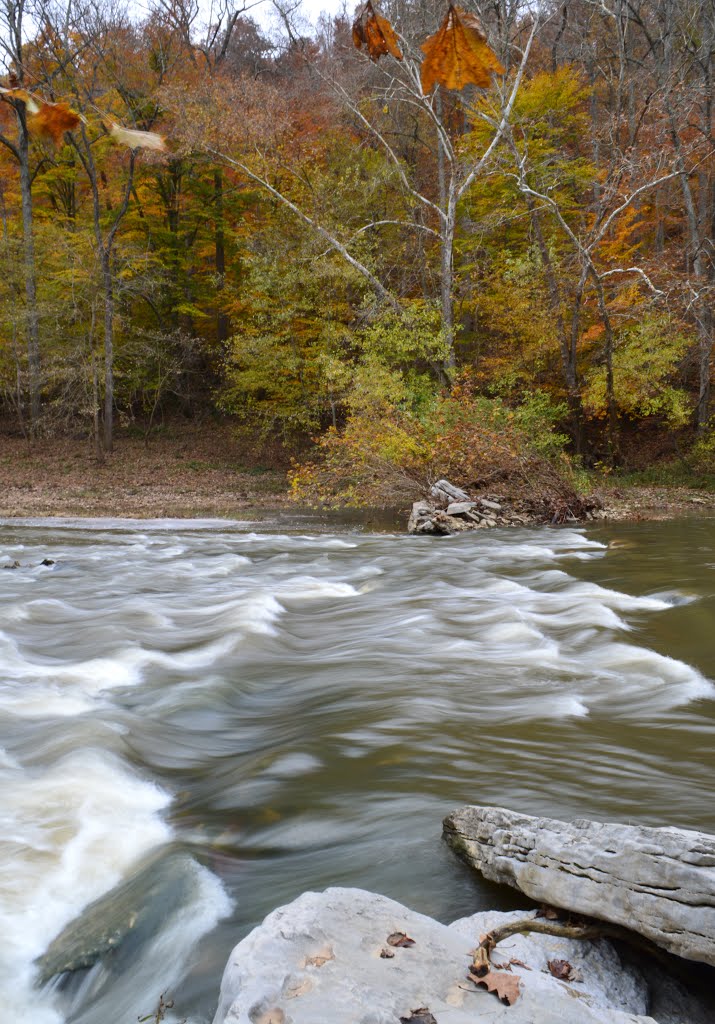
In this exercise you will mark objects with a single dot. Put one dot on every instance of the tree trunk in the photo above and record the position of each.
(222, 323)
(108, 285)
(611, 411)
(568, 353)
(32, 317)
(447, 277)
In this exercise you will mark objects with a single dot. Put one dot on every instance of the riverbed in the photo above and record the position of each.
(282, 708)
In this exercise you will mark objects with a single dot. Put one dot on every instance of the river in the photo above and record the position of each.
(280, 711)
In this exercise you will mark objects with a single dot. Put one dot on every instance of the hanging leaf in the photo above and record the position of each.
(376, 33)
(33, 107)
(358, 34)
(458, 54)
(52, 120)
(137, 140)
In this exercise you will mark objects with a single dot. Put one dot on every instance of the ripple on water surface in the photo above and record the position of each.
(299, 711)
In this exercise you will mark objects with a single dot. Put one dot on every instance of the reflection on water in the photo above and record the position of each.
(297, 711)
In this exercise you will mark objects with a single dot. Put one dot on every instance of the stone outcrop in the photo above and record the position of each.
(457, 516)
(453, 510)
(326, 959)
(659, 882)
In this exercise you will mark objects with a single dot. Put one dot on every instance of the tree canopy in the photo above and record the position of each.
(316, 230)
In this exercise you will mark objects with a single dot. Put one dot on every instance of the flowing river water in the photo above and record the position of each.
(254, 714)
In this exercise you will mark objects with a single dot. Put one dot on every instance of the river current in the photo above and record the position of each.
(281, 711)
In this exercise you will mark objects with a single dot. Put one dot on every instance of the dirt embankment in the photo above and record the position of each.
(195, 471)
(186, 472)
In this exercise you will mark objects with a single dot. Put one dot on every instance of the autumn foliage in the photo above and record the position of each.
(324, 235)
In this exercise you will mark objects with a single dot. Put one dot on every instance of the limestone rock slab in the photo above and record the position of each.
(659, 882)
(325, 959)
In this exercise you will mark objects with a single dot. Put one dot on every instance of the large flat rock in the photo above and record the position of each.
(659, 882)
(320, 960)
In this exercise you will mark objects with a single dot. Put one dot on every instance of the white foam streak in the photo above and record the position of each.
(161, 964)
(67, 835)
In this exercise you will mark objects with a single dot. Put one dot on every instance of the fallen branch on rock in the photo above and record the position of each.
(507, 986)
(481, 964)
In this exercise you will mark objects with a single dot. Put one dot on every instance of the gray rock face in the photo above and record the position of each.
(460, 508)
(659, 882)
(325, 959)
(443, 490)
(422, 519)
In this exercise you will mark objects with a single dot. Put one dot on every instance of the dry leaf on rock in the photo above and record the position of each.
(563, 970)
(548, 912)
(458, 54)
(375, 33)
(320, 958)
(506, 986)
(400, 939)
(519, 963)
(419, 1016)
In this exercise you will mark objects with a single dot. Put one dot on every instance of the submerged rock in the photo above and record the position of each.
(659, 882)
(130, 914)
(347, 956)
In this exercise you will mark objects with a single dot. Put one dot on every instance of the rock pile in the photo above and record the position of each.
(453, 510)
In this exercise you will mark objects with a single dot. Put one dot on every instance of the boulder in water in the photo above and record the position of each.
(126, 917)
(658, 882)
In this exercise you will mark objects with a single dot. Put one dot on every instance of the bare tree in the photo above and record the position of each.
(14, 15)
(102, 28)
(392, 84)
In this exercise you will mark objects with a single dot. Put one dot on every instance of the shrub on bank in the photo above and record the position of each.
(387, 455)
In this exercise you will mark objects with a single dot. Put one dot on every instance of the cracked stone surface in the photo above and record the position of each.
(325, 959)
(659, 882)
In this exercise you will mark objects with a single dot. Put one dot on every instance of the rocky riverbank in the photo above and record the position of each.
(346, 956)
(453, 510)
(356, 957)
(205, 471)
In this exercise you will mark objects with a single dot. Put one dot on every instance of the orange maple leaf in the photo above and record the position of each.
(458, 54)
(506, 986)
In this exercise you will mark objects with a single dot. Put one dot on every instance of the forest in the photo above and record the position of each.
(409, 241)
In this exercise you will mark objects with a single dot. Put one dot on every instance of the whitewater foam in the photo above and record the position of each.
(67, 835)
